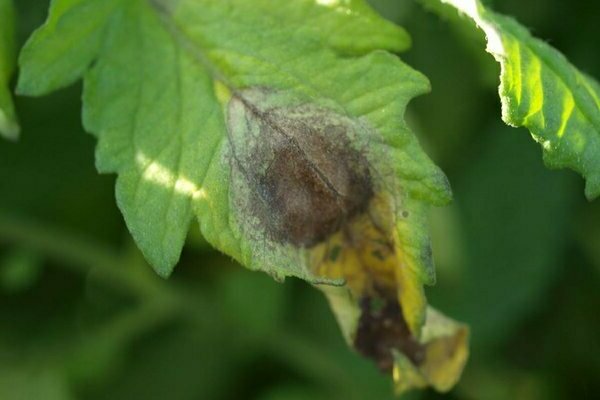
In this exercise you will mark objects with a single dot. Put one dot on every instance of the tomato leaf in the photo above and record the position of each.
(9, 126)
(281, 129)
(542, 91)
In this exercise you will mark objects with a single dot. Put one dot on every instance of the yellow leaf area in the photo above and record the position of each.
(382, 309)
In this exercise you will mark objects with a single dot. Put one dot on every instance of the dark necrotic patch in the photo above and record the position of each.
(305, 178)
(382, 329)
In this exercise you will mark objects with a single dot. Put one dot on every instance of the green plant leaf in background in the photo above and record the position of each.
(542, 91)
(280, 127)
(9, 127)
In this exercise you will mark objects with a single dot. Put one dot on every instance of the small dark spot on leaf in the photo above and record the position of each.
(427, 255)
(405, 214)
(377, 254)
(382, 242)
(377, 305)
(335, 253)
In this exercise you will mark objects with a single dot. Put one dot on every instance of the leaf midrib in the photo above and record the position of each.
(197, 53)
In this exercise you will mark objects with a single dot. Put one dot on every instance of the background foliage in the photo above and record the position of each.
(518, 257)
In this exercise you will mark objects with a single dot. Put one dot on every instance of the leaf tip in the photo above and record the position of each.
(592, 187)
(9, 127)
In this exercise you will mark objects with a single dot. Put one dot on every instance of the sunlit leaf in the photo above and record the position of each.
(542, 91)
(9, 127)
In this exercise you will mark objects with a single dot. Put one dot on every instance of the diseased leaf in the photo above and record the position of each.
(144, 71)
(542, 91)
(279, 126)
(436, 358)
(9, 126)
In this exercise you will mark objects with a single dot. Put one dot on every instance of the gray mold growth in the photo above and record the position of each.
(296, 176)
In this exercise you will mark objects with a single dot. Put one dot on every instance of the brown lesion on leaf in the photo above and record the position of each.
(306, 178)
(382, 330)
(314, 186)
(303, 182)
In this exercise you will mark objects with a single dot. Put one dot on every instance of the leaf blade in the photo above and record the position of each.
(543, 92)
(9, 126)
(160, 80)
(60, 51)
(161, 153)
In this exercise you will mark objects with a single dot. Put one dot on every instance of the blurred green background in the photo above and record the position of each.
(518, 257)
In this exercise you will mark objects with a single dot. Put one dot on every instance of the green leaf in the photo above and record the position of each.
(280, 127)
(150, 70)
(542, 91)
(58, 53)
(9, 126)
